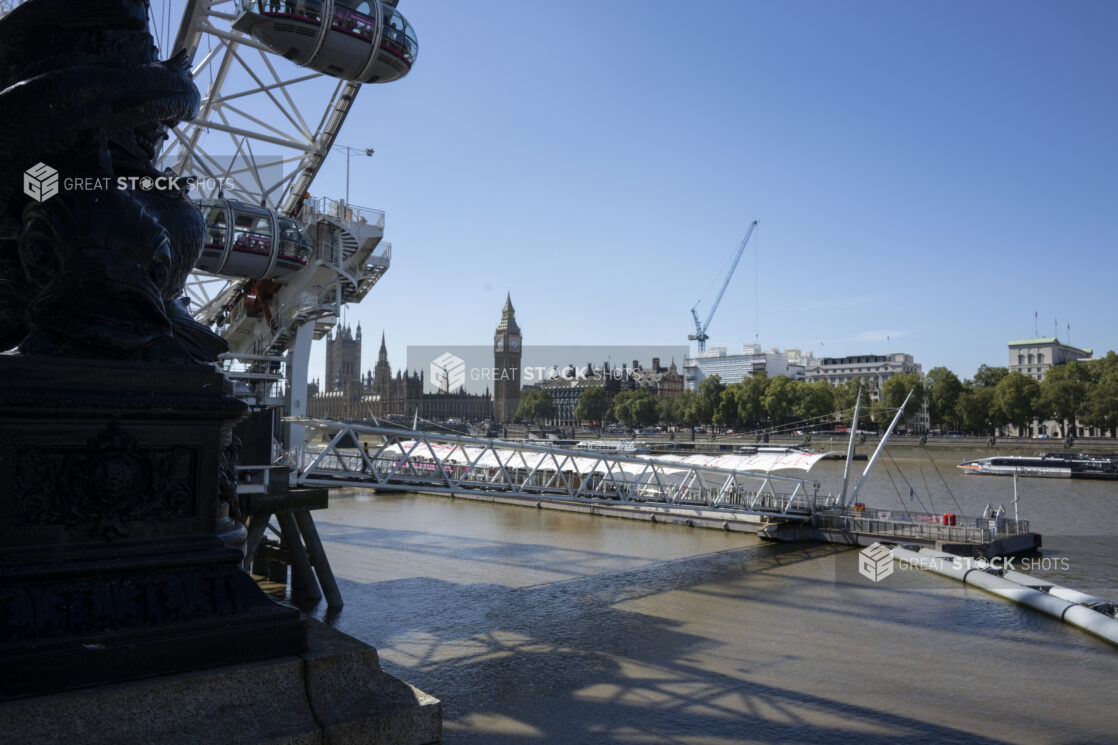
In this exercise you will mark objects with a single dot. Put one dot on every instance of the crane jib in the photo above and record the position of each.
(700, 334)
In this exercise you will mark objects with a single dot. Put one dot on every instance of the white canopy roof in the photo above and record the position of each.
(451, 454)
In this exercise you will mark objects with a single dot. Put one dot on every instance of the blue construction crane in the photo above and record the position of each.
(700, 334)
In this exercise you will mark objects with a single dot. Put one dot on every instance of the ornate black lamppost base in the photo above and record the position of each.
(110, 566)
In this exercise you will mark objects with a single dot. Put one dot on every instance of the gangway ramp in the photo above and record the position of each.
(407, 460)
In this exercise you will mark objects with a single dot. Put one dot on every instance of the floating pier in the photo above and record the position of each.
(850, 522)
(725, 491)
(957, 535)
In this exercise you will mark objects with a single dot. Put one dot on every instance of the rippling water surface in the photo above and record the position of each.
(551, 627)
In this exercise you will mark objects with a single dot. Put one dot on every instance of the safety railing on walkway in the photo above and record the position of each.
(920, 526)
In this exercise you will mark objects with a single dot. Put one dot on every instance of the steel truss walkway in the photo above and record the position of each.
(404, 460)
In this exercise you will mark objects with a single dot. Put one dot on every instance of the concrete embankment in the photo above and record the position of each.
(1068, 605)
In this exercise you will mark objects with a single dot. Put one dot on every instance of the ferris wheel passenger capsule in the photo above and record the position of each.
(366, 41)
(249, 242)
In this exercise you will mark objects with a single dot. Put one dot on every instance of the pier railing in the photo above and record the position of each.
(920, 526)
(403, 460)
(324, 206)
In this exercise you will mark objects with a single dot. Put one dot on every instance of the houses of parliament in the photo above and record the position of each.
(378, 394)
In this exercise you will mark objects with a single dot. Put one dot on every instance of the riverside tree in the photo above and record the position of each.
(974, 409)
(726, 410)
(750, 398)
(893, 392)
(1085, 392)
(1101, 408)
(592, 405)
(1017, 397)
(535, 406)
(635, 408)
(944, 389)
(676, 410)
(815, 400)
(846, 396)
(988, 376)
(780, 399)
(1063, 393)
(703, 405)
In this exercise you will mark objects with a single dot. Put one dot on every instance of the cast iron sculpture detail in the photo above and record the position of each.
(109, 483)
(96, 269)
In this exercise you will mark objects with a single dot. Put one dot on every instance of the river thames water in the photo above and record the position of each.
(538, 626)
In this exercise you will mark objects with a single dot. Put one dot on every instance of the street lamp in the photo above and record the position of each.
(368, 151)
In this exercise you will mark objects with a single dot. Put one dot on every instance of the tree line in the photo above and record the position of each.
(1083, 392)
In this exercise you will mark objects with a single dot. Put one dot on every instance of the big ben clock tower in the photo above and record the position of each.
(506, 365)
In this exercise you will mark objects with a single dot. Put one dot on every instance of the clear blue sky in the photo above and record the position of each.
(935, 173)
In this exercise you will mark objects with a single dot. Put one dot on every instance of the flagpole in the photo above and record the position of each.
(1015, 515)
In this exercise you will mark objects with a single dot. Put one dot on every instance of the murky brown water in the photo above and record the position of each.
(536, 626)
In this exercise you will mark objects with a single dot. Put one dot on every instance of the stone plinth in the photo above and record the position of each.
(110, 566)
(335, 692)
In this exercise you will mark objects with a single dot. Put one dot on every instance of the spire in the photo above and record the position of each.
(383, 356)
(508, 316)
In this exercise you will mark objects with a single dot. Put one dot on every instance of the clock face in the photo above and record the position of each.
(500, 344)
(514, 343)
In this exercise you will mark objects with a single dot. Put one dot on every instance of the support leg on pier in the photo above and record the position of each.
(318, 559)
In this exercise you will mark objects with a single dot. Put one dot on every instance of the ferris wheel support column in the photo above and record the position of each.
(298, 368)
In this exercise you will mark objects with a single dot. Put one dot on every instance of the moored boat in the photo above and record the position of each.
(621, 447)
(1048, 465)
